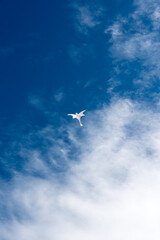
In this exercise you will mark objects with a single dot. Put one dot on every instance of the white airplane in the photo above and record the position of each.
(78, 116)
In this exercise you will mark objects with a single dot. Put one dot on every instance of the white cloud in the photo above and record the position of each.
(35, 101)
(89, 82)
(87, 16)
(75, 54)
(59, 96)
(78, 53)
(110, 191)
(136, 38)
(114, 29)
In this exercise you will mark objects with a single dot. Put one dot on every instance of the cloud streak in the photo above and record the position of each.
(135, 38)
(109, 190)
(87, 16)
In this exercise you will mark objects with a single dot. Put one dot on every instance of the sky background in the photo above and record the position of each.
(58, 180)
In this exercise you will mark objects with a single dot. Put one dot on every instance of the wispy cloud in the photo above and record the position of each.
(36, 101)
(89, 83)
(75, 54)
(78, 53)
(136, 38)
(87, 16)
(111, 187)
(59, 95)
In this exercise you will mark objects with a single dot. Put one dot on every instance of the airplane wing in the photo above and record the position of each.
(73, 115)
(81, 113)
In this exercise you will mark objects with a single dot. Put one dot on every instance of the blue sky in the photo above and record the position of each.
(58, 180)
